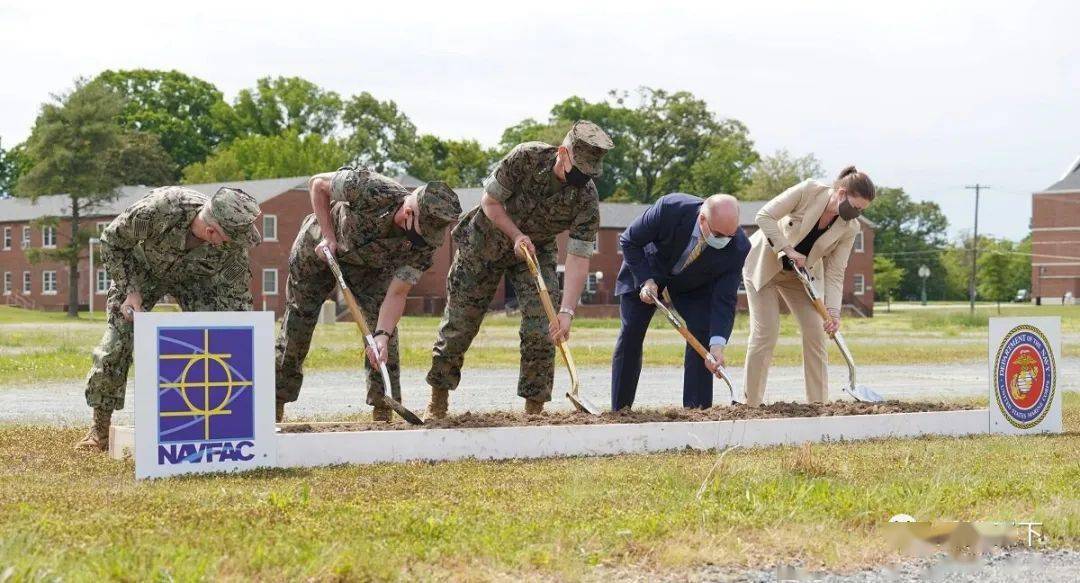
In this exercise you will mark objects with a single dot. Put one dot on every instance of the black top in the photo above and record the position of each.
(807, 243)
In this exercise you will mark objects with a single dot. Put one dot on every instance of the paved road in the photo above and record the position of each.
(336, 393)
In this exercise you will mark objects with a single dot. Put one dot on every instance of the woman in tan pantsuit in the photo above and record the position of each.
(815, 225)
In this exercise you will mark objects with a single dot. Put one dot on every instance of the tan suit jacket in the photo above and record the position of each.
(786, 220)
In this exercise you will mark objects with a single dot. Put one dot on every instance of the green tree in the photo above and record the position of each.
(911, 234)
(140, 159)
(281, 104)
(13, 163)
(257, 157)
(776, 173)
(187, 114)
(1004, 268)
(456, 162)
(887, 276)
(664, 142)
(723, 167)
(66, 148)
(380, 135)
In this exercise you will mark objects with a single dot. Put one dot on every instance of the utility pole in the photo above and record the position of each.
(975, 243)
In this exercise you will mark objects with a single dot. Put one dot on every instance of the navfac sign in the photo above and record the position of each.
(204, 392)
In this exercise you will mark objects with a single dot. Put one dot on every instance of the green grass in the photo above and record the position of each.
(84, 518)
(47, 346)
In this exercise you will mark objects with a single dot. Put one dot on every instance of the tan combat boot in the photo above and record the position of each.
(440, 402)
(279, 412)
(380, 413)
(533, 407)
(97, 439)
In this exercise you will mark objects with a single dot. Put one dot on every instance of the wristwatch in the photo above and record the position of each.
(567, 311)
(380, 333)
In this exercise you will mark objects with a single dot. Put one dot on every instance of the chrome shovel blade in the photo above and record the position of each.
(865, 394)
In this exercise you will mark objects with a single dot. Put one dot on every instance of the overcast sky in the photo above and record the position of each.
(931, 96)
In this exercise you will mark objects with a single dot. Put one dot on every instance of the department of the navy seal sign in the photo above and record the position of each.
(1024, 376)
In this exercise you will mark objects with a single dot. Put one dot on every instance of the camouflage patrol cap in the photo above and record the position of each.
(588, 144)
(235, 211)
(439, 207)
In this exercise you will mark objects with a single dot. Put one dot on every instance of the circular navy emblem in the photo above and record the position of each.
(1024, 376)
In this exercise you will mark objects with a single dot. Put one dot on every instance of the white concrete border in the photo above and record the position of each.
(542, 441)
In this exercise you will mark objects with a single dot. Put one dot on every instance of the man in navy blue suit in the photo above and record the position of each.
(695, 249)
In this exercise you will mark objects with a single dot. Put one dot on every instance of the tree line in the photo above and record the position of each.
(165, 127)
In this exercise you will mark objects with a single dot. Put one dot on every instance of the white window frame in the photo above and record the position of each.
(592, 283)
(273, 220)
(27, 283)
(8, 281)
(48, 237)
(596, 244)
(26, 243)
(858, 284)
(859, 246)
(101, 276)
(7, 238)
(46, 276)
(266, 271)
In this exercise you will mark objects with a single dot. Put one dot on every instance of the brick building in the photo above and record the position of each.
(1055, 234)
(285, 203)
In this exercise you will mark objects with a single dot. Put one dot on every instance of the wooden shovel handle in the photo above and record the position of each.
(350, 299)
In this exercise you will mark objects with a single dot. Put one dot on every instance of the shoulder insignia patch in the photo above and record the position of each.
(234, 268)
(140, 226)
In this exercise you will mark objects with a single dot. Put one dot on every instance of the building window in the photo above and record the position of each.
(269, 230)
(26, 282)
(269, 282)
(591, 284)
(101, 227)
(7, 238)
(7, 283)
(48, 237)
(48, 283)
(25, 237)
(102, 282)
(859, 284)
(858, 246)
(596, 244)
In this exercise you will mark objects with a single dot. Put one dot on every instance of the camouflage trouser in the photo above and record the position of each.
(112, 358)
(470, 287)
(310, 283)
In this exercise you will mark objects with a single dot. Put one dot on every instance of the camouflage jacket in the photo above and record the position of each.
(363, 214)
(541, 206)
(144, 247)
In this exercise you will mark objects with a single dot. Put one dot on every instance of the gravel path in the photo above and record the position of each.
(1006, 566)
(340, 392)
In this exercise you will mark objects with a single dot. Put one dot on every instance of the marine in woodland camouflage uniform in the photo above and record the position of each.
(373, 250)
(152, 249)
(541, 206)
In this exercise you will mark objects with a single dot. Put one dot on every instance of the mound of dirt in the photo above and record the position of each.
(515, 419)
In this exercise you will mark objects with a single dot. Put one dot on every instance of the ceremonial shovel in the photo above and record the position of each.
(857, 392)
(693, 342)
(358, 315)
(580, 402)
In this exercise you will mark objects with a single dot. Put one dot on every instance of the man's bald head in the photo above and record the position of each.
(721, 213)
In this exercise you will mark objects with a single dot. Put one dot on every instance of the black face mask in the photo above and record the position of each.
(575, 177)
(416, 239)
(847, 210)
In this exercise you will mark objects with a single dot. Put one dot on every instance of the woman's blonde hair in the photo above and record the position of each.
(855, 182)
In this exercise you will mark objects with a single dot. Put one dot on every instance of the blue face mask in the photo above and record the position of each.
(712, 240)
(717, 242)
